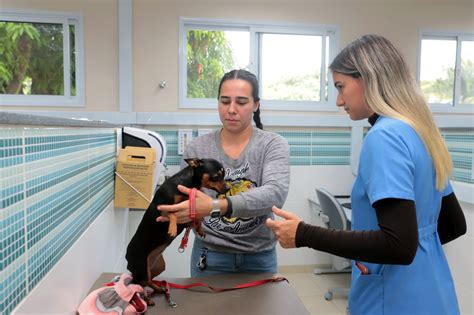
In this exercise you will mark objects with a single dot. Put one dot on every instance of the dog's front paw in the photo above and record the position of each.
(173, 227)
(172, 230)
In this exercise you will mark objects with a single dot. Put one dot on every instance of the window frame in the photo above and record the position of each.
(66, 19)
(459, 36)
(254, 28)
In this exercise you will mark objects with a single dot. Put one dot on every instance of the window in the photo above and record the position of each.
(41, 59)
(290, 61)
(446, 71)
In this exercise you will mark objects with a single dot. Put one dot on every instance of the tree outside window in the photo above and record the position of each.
(41, 58)
(31, 59)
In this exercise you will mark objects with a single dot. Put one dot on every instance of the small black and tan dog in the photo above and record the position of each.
(145, 250)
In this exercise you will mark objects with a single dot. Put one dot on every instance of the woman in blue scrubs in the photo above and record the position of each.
(403, 206)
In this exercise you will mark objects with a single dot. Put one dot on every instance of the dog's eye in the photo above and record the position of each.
(214, 178)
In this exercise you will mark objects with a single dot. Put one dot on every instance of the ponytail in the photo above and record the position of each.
(256, 118)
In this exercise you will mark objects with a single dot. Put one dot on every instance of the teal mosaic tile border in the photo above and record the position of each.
(333, 147)
(53, 184)
(171, 138)
(321, 147)
(460, 143)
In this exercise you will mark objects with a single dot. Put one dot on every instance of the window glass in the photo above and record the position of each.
(438, 60)
(32, 58)
(326, 91)
(467, 73)
(291, 67)
(41, 59)
(290, 62)
(210, 54)
(72, 52)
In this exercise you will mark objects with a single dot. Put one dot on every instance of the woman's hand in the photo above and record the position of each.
(284, 230)
(203, 207)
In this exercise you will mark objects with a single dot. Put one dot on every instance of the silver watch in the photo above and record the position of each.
(215, 209)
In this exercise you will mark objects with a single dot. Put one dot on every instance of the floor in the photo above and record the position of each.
(311, 289)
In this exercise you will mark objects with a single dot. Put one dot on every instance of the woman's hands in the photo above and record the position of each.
(284, 230)
(203, 207)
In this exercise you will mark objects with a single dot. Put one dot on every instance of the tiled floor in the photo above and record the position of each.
(311, 289)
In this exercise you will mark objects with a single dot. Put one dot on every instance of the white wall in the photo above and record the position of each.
(460, 254)
(304, 181)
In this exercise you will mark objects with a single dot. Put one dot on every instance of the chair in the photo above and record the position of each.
(335, 218)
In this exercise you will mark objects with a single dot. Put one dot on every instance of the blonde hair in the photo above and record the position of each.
(391, 90)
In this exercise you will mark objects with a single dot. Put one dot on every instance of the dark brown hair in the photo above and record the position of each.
(253, 81)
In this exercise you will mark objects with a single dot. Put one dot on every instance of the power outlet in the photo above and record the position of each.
(185, 136)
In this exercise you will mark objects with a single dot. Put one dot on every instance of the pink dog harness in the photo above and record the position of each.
(118, 297)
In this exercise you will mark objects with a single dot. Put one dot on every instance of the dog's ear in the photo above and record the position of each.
(194, 162)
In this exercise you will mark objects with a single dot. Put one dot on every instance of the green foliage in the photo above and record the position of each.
(209, 56)
(31, 56)
(16, 40)
(48, 77)
(16, 30)
(5, 75)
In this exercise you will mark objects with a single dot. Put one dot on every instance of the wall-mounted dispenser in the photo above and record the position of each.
(149, 139)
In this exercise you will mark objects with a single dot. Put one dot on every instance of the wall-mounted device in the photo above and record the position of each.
(149, 139)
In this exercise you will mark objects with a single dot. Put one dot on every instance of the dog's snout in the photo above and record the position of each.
(220, 187)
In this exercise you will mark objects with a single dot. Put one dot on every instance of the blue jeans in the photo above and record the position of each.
(215, 262)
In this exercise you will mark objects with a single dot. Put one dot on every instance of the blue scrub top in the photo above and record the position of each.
(394, 163)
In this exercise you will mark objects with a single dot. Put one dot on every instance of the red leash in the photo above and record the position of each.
(167, 285)
(163, 283)
(193, 216)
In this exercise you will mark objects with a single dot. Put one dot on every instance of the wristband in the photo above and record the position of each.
(192, 204)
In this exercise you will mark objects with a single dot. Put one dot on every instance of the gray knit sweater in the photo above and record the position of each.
(259, 179)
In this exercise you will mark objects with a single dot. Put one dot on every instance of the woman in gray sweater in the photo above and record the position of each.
(257, 171)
